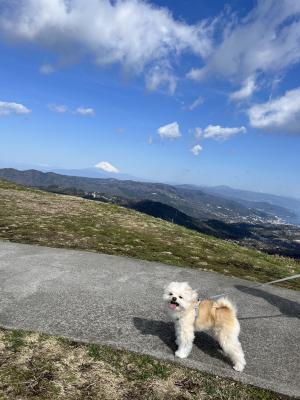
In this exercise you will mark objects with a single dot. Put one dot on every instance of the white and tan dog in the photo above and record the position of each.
(218, 316)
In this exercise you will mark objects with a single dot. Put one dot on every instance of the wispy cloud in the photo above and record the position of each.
(282, 113)
(266, 40)
(107, 167)
(196, 149)
(63, 109)
(196, 103)
(46, 69)
(140, 36)
(7, 108)
(198, 133)
(147, 40)
(59, 108)
(161, 77)
(169, 131)
(246, 91)
(218, 132)
(85, 111)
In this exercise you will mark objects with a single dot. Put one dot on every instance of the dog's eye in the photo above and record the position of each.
(180, 297)
(170, 294)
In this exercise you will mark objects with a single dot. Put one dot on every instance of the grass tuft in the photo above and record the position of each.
(15, 339)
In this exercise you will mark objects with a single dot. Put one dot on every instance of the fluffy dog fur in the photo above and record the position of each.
(218, 316)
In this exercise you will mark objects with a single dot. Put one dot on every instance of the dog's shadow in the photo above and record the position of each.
(165, 332)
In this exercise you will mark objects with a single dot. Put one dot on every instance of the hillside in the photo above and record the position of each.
(33, 216)
(280, 239)
(192, 202)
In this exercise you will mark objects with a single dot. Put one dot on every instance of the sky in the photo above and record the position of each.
(179, 91)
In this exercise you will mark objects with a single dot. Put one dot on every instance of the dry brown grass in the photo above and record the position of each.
(35, 366)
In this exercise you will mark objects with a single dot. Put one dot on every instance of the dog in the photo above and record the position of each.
(189, 315)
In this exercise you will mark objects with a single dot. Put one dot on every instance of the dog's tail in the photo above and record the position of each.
(223, 302)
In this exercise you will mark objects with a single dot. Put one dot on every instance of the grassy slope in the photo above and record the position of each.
(35, 366)
(33, 216)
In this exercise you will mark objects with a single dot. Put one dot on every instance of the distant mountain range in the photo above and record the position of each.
(223, 217)
(192, 201)
(96, 173)
(91, 172)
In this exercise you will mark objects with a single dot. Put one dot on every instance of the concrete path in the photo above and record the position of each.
(117, 301)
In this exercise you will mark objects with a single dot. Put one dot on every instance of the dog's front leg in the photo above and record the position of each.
(184, 339)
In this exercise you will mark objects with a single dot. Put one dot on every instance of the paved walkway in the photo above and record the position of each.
(117, 301)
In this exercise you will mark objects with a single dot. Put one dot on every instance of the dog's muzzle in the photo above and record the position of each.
(173, 304)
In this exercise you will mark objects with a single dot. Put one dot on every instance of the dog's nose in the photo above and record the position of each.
(174, 298)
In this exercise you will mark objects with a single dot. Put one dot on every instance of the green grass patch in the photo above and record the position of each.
(14, 339)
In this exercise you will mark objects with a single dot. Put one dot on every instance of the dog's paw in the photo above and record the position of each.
(181, 354)
(239, 367)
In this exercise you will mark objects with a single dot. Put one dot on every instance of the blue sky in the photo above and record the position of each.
(186, 91)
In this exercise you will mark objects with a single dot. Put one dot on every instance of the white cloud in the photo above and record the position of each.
(196, 149)
(46, 69)
(58, 108)
(197, 74)
(62, 109)
(134, 33)
(198, 132)
(85, 111)
(245, 91)
(161, 77)
(169, 131)
(107, 167)
(220, 133)
(282, 113)
(196, 103)
(7, 108)
(265, 40)
(146, 39)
